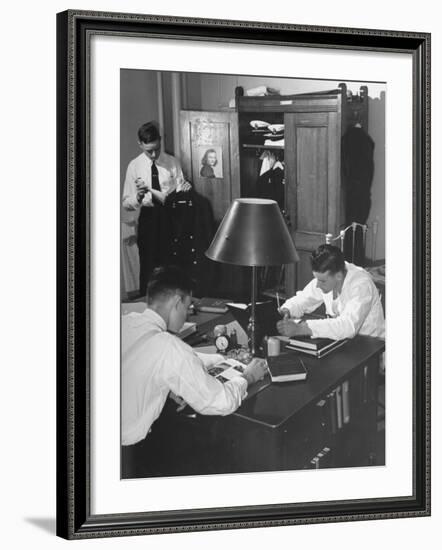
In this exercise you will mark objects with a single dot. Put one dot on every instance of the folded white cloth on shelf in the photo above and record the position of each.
(274, 142)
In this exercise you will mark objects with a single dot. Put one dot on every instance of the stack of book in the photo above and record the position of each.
(318, 347)
(335, 408)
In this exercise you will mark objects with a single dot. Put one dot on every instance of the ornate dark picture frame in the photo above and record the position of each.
(74, 32)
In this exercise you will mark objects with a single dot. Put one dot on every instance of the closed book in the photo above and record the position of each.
(319, 352)
(187, 329)
(333, 414)
(339, 406)
(310, 343)
(211, 305)
(345, 402)
(286, 367)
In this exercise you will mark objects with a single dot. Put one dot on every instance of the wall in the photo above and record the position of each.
(138, 104)
(27, 406)
(217, 90)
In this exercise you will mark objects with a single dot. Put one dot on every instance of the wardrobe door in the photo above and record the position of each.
(312, 156)
(210, 158)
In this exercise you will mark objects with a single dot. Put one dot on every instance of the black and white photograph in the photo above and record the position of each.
(211, 162)
(253, 268)
(230, 347)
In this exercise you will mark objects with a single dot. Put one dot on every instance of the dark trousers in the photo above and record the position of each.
(178, 444)
(153, 241)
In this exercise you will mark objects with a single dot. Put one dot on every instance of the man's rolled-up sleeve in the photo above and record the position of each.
(305, 301)
(130, 201)
(351, 319)
(186, 376)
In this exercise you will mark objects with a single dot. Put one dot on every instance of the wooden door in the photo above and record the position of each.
(203, 132)
(312, 157)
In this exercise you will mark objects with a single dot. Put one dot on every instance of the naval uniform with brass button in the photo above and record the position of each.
(192, 228)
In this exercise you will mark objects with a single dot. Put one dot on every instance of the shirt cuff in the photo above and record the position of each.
(131, 203)
(209, 359)
(242, 383)
(295, 310)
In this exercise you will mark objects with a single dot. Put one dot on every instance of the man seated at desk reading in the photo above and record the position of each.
(155, 361)
(351, 299)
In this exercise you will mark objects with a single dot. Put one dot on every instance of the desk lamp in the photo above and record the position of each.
(253, 233)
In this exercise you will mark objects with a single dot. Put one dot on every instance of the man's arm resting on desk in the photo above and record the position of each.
(291, 327)
(350, 320)
(255, 371)
(185, 375)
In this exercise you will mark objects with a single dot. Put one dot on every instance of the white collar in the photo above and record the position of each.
(155, 318)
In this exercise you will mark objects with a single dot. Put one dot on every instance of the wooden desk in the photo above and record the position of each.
(287, 426)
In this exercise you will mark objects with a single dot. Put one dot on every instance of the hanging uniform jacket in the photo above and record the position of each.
(270, 186)
(357, 176)
(191, 232)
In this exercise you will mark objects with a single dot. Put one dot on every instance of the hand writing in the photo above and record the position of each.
(292, 327)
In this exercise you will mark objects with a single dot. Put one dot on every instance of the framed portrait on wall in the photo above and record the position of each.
(160, 158)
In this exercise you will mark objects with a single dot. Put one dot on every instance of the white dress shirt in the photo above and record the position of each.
(170, 177)
(155, 362)
(357, 309)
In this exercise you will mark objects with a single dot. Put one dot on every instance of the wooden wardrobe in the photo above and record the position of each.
(311, 196)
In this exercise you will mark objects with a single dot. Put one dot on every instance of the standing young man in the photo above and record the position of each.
(150, 177)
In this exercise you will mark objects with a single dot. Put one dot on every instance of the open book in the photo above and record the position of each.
(229, 368)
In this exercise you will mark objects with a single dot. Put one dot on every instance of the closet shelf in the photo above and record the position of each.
(252, 146)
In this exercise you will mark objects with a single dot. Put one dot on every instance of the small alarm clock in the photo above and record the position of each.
(222, 343)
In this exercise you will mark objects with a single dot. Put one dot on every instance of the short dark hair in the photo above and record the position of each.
(148, 132)
(327, 258)
(167, 281)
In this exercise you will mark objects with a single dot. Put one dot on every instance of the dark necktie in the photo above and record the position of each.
(155, 179)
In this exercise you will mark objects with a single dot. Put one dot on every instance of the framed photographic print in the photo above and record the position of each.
(203, 165)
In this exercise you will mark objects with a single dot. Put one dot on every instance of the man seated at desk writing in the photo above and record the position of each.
(156, 362)
(351, 299)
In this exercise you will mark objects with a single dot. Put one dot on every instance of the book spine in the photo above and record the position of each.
(302, 344)
(322, 406)
(302, 350)
(322, 459)
(346, 402)
(333, 415)
(212, 309)
(327, 455)
(339, 407)
(365, 385)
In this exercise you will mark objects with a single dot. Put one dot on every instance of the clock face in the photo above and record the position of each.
(222, 343)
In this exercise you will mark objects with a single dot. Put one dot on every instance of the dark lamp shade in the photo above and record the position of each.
(253, 233)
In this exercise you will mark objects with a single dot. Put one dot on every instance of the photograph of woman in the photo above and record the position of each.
(211, 164)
